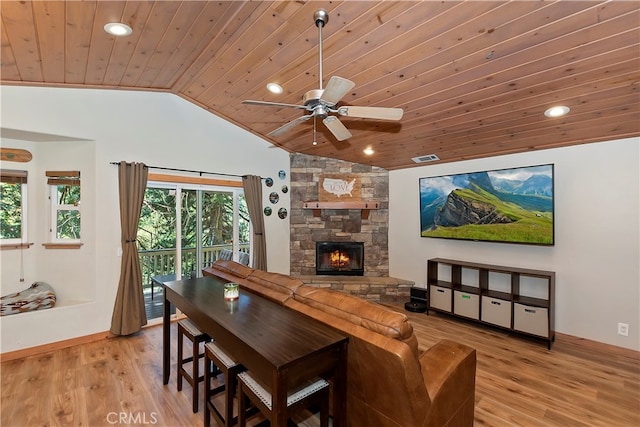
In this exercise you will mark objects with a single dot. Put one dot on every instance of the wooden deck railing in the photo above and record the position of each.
(162, 261)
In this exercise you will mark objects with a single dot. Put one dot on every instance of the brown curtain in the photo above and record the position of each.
(253, 195)
(128, 312)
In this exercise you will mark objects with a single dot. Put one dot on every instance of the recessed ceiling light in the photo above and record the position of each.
(274, 88)
(557, 111)
(368, 151)
(118, 29)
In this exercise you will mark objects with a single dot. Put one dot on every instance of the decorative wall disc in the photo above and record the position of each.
(267, 211)
(282, 174)
(268, 182)
(285, 189)
(273, 197)
(282, 213)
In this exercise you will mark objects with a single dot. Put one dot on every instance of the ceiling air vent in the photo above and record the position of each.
(425, 159)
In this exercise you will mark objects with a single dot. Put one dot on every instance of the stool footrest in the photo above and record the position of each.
(190, 358)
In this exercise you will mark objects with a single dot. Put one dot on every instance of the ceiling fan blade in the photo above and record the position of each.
(380, 113)
(272, 104)
(335, 90)
(282, 129)
(337, 128)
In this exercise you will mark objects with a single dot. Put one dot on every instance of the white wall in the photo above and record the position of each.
(158, 129)
(596, 255)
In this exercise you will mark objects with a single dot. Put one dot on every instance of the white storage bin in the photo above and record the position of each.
(466, 304)
(496, 311)
(530, 319)
(440, 298)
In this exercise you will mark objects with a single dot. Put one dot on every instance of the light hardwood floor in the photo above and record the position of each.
(518, 382)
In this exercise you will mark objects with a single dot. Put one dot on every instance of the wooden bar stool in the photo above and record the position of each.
(315, 392)
(186, 328)
(213, 354)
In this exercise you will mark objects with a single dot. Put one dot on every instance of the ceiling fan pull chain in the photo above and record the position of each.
(315, 141)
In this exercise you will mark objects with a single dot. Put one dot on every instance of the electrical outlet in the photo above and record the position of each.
(623, 329)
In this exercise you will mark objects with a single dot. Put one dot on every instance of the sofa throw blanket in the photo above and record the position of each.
(38, 296)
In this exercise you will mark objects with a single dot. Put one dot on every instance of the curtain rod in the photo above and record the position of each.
(190, 171)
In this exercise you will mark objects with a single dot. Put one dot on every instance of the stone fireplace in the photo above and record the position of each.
(340, 258)
(309, 226)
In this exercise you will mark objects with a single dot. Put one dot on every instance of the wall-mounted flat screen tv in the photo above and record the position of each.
(507, 205)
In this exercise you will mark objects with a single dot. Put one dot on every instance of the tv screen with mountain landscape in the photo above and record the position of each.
(506, 205)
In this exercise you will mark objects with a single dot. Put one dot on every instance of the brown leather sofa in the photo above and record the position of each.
(389, 382)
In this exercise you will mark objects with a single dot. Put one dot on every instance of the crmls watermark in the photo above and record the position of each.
(132, 418)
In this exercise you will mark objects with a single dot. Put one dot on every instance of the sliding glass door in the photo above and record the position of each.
(210, 222)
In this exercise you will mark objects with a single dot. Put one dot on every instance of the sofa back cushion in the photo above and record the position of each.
(229, 271)
(360, 312)
(275, 286)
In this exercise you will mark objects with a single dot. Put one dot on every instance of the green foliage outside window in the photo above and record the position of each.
(68, 225)
(11, 210)
(217, 218)
(158, 224)
(68, 214)
(69, 195)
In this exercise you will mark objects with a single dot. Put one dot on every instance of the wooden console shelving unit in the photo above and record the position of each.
(517, 299)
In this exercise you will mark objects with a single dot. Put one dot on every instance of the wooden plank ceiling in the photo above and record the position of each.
(473, 78)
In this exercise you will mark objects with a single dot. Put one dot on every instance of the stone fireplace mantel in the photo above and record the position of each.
(364, 207)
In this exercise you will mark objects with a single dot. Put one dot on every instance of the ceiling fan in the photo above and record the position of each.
(320, 102)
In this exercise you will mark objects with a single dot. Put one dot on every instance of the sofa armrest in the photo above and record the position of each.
(449, 371)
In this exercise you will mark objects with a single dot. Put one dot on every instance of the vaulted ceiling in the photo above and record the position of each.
(473, 78)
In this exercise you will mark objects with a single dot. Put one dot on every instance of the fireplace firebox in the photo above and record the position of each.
(340, 258)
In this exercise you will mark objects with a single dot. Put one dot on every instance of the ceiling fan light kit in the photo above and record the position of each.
(321, 103)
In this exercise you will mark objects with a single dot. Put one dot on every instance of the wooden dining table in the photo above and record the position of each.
(281, 347)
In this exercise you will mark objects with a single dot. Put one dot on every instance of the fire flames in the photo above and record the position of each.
(339, 259)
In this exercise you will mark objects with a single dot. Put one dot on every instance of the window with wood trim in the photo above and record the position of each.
(13, 202)
(64, 197)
